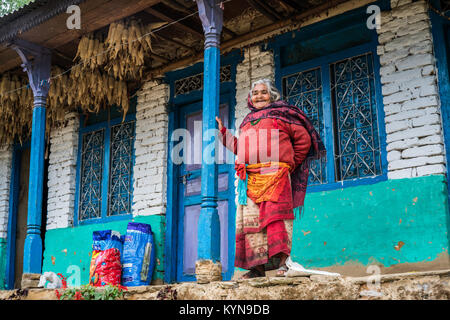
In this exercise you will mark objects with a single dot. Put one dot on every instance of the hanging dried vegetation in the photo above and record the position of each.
(17, 107)
(125, 47)
(97, 81)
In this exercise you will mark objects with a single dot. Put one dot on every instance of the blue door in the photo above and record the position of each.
(189, 194)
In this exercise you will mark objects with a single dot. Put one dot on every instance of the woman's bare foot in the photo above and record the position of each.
(282, 268)
(255, 272)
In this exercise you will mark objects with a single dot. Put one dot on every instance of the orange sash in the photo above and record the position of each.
(267, 180)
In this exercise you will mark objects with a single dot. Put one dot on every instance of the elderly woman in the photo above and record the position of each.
(275, 144)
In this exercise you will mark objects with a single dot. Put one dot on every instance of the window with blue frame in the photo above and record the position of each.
(105, 167)
(331, 74)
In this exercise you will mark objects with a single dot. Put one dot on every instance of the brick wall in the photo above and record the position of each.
(5, 179)
(410, 92)
(62, 173)
(151, 144)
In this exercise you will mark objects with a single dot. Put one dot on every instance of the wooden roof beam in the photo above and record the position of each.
(178, 43)
(159, 58)
(234, 43)
(294, 4)
(181, 7)
(180, 24)
(271, 14)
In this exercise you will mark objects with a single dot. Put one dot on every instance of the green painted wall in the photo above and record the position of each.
(2, 263)
(390, 222)
(73, 246)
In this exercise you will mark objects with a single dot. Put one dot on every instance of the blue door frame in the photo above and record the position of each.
(12, 214)
(183, 201)
(440, 28)
(172, 240)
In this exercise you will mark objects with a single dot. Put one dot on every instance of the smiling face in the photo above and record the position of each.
(260, 96)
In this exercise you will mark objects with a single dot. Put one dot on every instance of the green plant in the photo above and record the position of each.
(88, 292)
(9, 6)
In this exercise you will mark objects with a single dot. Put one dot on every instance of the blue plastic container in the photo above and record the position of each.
(138, 257)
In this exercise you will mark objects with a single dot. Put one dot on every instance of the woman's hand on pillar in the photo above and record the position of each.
(219, 121)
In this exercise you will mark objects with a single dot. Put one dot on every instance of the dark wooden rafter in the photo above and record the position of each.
(54, 36)
(178, 43)
(294, 5)
(186, 9)
(181, 25)
(177, 6)
(236, 42)
(229, 32)
(265, 9)
(159, 58)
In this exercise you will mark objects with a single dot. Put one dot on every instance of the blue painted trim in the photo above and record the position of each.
(327, 122)
(106, 125)
(323, 62)
(14, 188)
(324, 27)
(441, 50)
(32, 257)
(197, 199)
(171, 236)
(170, 243)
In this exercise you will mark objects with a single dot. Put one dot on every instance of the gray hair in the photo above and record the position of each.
(273, 91)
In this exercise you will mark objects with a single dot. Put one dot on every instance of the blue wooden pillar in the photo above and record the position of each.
(38, 75)
(211, 16)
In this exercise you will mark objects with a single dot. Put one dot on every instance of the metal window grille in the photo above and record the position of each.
(121, 164)
(91, 175)
(195, 82)
(304, 90)
(357, 146)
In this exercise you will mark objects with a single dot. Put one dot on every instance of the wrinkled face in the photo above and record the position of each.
(260, 96)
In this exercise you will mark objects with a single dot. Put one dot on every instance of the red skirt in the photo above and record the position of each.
(263, 230)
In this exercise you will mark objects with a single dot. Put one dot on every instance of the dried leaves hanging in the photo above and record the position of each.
(96, 82)
(94, 90)
(16, 100)
(125, 47)
(17, 107)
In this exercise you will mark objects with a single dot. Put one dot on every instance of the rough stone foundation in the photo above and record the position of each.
(431, 285)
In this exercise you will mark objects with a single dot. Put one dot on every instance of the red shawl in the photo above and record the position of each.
(291, 114)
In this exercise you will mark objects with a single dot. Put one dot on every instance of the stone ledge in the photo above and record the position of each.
(401, 286)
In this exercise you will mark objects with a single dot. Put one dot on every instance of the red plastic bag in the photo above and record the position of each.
(105, 268)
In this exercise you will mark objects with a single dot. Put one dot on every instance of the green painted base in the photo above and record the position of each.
(388, 223)
(2, 264)
(68, 250)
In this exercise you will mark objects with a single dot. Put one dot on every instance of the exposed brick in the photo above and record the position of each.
(410, 92)
(5, 179)
(62, 174)
(151, 150)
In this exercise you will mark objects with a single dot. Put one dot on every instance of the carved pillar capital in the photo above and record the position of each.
(38, 69)
(211, 16)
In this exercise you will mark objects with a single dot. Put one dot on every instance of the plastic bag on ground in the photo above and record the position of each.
(106, 267)
(297, 270)
(50, 280)
(138, 259)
